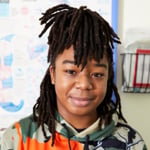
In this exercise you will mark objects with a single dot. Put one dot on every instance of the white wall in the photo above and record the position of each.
(136, 107)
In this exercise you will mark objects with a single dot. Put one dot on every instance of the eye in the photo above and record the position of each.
(97, 75)
(70, 72)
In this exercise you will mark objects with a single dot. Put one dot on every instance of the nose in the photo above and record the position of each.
(84, 82)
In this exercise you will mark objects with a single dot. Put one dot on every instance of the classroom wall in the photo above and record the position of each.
(134, 14)
(136, 107)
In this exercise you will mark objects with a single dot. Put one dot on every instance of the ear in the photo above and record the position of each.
(52, 74)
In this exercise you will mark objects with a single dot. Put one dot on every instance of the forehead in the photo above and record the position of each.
(67, 57)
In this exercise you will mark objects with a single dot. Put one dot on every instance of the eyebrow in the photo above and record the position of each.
(72, 62)
(101, 65)
(68, 62)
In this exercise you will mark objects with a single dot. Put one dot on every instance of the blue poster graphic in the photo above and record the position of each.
(4, 9)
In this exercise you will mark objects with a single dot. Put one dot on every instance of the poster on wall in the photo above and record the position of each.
(23, 56)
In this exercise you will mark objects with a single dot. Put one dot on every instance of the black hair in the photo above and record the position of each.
(91, 37)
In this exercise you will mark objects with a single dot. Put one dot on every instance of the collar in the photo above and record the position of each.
(92, 131)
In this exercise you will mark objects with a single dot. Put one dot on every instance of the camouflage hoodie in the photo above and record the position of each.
(25, 135)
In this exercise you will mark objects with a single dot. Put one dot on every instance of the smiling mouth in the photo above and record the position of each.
(80, 102)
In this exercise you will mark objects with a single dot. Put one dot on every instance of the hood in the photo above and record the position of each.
(93, 131)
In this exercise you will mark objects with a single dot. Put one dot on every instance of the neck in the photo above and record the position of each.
(79, 122)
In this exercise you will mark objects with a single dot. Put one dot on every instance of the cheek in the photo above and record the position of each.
(62, 82)
(62, 86)
(102, 90)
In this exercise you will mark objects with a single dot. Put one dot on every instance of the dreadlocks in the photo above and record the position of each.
(91, 37)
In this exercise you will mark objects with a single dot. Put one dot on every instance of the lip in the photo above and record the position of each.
(80, 101)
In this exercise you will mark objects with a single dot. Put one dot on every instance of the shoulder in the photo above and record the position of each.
(23, 125)
(127, 134)
(27, 126)
(19, 131)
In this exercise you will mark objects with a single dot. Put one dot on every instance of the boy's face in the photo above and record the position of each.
(79, 92)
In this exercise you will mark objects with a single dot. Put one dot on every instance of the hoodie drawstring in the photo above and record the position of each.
(86, 146)
(68, 135)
